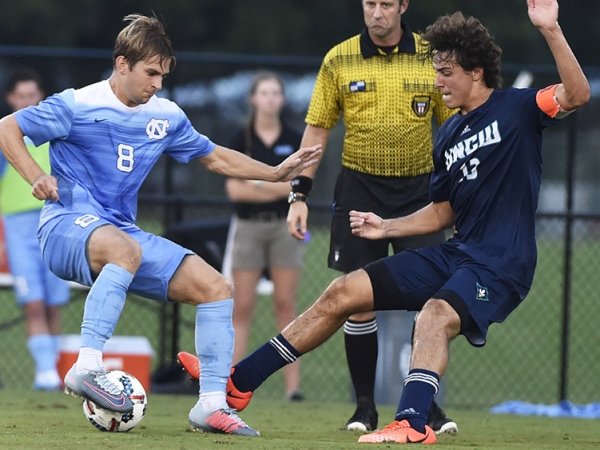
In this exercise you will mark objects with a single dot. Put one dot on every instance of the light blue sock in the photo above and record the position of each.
(55, 349)
(214, 344)
(41, 349)
(103, 306)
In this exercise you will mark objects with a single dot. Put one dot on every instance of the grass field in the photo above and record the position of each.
(41, 421)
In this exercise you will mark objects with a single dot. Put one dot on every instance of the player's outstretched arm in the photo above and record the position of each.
(429, 219)
(44, 186)
(238, 165)
(574, 91)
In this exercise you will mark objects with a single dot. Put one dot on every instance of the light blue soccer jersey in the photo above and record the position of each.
(101, 151)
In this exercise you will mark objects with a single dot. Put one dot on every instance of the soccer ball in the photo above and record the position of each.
(111, 421)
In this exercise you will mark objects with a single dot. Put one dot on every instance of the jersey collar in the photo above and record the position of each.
(368, 48)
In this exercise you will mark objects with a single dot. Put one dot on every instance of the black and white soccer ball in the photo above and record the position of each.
(105, 420)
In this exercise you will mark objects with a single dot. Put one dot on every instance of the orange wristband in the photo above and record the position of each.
(547, 102)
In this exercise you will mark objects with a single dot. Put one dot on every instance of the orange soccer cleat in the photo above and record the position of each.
(235, 398)
(190, 364)
(399, 432)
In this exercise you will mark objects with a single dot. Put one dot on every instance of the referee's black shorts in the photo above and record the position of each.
(387, 197)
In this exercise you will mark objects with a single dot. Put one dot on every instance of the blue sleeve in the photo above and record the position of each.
(188, 143)
(50, 120)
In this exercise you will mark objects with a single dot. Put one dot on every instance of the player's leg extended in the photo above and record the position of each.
(346, 295)
(196, 282)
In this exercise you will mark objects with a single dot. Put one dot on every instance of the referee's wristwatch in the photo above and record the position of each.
(296, 197)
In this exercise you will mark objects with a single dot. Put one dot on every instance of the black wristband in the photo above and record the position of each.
(301, 184)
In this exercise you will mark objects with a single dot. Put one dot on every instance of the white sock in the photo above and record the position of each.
(211, 401)
(89, 359)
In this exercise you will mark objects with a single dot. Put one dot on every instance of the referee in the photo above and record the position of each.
(386, 97)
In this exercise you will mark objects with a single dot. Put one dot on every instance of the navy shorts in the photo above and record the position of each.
(64, 247)
(406, 281)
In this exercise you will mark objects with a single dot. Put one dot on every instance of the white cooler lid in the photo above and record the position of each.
(128, 345)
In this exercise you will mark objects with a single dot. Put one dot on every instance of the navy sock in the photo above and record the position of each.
(253, 370)
(419, 388)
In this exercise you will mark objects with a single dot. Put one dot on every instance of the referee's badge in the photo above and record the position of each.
(421, 104)
(358, 86)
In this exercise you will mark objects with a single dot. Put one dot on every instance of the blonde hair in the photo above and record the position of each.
(143, 38)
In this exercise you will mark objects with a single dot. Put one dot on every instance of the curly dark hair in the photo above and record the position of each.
(468, 42)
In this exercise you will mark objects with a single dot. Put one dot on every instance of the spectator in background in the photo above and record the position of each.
(260, 240)
(39, 291)
(387, 99)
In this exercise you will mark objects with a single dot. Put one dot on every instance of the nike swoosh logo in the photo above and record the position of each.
(97, 119)
(410, 440)
(115, 400)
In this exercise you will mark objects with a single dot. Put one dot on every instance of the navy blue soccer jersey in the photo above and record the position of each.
(488, 165)
(101, 151)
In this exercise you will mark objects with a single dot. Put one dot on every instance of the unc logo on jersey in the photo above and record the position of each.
(157, 128)
(421, 105)
(487, 136)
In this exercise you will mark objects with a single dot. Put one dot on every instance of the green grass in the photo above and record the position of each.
(41, 421)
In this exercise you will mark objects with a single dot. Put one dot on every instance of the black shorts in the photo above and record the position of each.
(387, 197)
(479, 295)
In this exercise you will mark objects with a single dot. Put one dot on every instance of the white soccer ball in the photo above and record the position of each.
(111, 421)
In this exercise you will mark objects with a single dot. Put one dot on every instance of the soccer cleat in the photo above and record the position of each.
(235, 399)
(224, 421)
(439, 422)
(96, 387)
(190, 364)
(364, 419)
(399, 432)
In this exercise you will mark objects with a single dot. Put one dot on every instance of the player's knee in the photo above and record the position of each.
(338, 299)
(437, 316)
(220, 288)
(129, 256)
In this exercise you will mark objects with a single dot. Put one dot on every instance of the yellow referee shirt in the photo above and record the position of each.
(387, 101)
